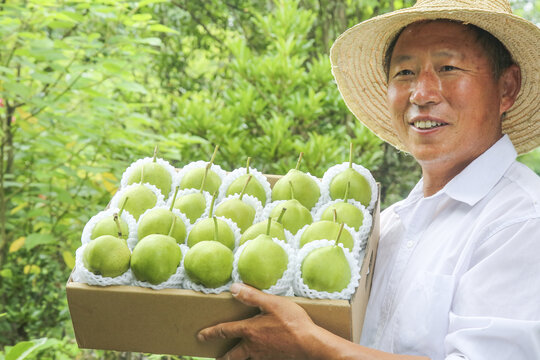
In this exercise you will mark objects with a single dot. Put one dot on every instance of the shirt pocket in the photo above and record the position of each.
(422, 315)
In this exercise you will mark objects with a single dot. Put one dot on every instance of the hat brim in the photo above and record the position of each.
(357, 65)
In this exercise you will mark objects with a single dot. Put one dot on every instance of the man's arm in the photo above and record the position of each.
(283, 330)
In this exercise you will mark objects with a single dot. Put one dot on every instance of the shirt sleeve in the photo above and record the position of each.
(496, 307)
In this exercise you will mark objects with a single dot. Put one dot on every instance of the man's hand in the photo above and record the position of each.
(283, 330)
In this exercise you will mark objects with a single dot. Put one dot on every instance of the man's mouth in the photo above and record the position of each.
(427, 124)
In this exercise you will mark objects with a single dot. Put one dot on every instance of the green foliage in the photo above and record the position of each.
(87, 87)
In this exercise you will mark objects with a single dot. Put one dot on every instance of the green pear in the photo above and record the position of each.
(209, 263)
(254, 188)
(326, 269)
(141, 198)
(237, 210)
(205, 230)
(193, 179)
(159, 221)
(153, 173)
(360, 190)
(211, 228)
(346, 213)
(107, 255)
(297, 185)
(262, 261)
(295, 217)
(155, 258)
(162, 221)
(193, 205)
(329, 230)
(107, 226)
(276, 229)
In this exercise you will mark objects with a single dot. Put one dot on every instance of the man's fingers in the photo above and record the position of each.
(253, 297)
(239, 352)
(229, 330)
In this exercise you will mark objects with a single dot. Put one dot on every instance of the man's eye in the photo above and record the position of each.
(448, 68)
(404, 73)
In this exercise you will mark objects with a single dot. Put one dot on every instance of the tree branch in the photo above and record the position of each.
(198, 21)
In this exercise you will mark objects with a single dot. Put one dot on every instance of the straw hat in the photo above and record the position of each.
(357, 63)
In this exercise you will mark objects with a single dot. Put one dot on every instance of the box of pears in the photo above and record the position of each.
(156, 265)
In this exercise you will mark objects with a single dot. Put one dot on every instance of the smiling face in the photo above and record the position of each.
(444, 100)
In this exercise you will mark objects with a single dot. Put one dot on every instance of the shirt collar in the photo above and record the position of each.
(481, 175)
(469, 186)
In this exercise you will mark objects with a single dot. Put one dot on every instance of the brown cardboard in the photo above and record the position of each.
(130, 318)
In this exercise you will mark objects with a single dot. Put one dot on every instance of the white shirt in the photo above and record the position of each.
(457, 274)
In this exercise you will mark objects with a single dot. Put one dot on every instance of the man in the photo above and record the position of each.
(457, 270)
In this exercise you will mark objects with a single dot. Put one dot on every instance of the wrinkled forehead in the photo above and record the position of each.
(427, 28)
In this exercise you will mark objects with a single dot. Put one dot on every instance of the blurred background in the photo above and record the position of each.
(89, 86)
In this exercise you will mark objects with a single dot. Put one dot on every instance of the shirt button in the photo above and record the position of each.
(410, 244)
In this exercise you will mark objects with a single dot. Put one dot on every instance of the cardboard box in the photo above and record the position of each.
(130, 318)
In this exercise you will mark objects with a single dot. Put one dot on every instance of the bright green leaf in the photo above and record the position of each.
(37, 239)
(153, 41)
(162, 28)
(6, 273)
(25, 348)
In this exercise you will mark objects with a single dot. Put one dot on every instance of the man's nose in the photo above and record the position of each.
(426, 89)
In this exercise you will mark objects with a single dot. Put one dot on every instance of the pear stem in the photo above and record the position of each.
(292, 190)
(335, 214)
(350, 155)
(123, 206)
(211, 212)
(268, 226)
(339, 233)
(245, 187)
(215, 228)
(247, 165)
(172, 225)
(346, 197)
(208, 166)
(174, 198)
(115, 218)
(155, 153)
(299, 160)
(281, 215)
(214, 154)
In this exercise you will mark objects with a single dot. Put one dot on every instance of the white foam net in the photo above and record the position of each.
(202, 164)
(126, 216)
(189, 284)
(284, 285)
(257, 175)
(247, 199)
(170, 169)
(115, 201)
(207, 197)
(173, 282)
(235, 229)
(363, 232)
(321, 198)
(268, 210)
(336, 169)
(301, 289)
(176, 212)
(83, 275)
(358, 243)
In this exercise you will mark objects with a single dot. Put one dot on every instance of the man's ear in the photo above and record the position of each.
(509, 85)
